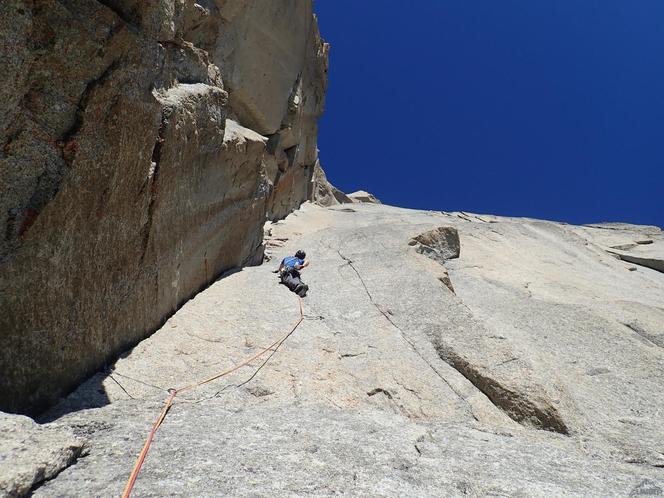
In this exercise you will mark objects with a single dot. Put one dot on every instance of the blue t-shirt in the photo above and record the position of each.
(292, 262)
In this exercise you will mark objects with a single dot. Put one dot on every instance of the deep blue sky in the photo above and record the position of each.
(552, 109)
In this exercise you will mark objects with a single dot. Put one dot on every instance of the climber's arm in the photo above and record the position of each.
(281, 267)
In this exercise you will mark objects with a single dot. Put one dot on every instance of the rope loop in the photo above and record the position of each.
(173, 392)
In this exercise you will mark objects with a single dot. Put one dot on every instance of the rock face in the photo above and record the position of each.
(142, 145)
(541, 374)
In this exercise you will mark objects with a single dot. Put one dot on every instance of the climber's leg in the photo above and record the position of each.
(302, 292)
(291, 281)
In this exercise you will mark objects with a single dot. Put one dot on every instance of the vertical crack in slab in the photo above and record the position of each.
(349, 262)
(153, 178)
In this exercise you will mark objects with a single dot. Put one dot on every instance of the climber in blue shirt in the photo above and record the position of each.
(289, 273)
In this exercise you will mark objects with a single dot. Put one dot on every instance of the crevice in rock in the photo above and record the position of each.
(273, 142)
(29, 217)
(50, 180)
(645, 261)
(349, 262)
(109, 4)
(174, 44)
(474, 216)
(153, 179)
(518, 407)
(10, 223)
(293, 103)
(650, 339)
(506, 362)
(204, 339)
(291, 152)
(380, 390)
(445, 280)
(464, 217)
(414, 393)
(600, 227)
(66, 143)
(624, 247)
(351, 355)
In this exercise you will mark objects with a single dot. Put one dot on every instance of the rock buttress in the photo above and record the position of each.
(132, 173)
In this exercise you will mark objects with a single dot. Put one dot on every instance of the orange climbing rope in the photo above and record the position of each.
(174, 392)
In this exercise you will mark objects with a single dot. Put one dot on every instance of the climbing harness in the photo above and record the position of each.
(172, 393)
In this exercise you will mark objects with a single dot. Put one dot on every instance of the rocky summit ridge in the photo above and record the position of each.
(158, 160)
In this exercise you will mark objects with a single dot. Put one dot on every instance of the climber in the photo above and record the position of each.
(289, 273)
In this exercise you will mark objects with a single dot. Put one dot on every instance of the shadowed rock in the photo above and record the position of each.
(440, 244)
(137, 167)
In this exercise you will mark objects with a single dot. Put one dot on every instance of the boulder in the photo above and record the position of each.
(365, 197)
(440, 244)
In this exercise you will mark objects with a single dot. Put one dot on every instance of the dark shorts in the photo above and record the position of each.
(293, 281)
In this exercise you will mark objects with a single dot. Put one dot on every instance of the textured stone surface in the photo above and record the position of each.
(648, 253)
(650, 257)
(268, 449)
(573, 313)
(129, 178)
(441, 244)
(271, 60)
(541, 376)
(31, 454)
